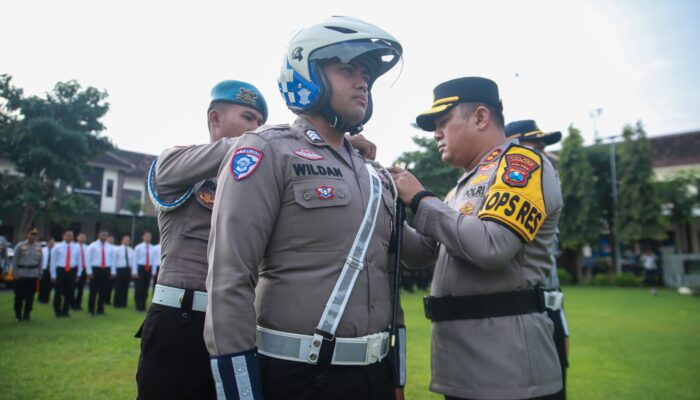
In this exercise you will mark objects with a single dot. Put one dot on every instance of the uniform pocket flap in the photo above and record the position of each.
(319, 193)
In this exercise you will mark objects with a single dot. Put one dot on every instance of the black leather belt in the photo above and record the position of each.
(28, 266)
(480, 306)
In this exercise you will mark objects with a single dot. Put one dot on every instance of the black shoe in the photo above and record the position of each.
(65, 314)
(27, 318)
(91, 314)
(58, 315)
(101, 312)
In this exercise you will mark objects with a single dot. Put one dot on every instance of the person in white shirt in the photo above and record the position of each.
(648, 260)
(123, 262)
(145, 258)
(100, 270)
(110, 283)
(64, 272)
(77, 303)
(45, 281)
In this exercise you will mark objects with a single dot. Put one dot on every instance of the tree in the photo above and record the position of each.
(49, 140)
(679, 196)
(426, 164)
(639, 211)
(579, 223)
(134, 206)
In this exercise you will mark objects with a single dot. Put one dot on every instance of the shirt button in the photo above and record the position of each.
(307, 196)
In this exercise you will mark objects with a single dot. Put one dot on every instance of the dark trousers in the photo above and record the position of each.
(121, 286)
(45, 287)
(141, 289)
(98, 289)
(174, 362)
(110, 289)
(63, 295)
(560, 344)
(24, 296)
(283, 379)
(79, 288)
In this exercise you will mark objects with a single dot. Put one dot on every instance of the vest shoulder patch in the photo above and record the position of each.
(516, 199)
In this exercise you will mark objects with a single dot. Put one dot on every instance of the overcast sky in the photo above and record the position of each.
(554, 61)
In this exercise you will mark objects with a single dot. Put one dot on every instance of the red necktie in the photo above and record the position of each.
(68, 257)
(102, 265)
(82, 257)
(148, 258)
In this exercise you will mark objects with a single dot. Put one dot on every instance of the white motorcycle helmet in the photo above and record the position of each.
(301, 80)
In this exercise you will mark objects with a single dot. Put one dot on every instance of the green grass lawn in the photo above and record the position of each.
(626, 344)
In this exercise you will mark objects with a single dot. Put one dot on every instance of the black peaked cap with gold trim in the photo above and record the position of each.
(448, 94)
(527, 130)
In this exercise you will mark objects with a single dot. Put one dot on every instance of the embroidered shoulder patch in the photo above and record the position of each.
(518, 169)
(516, 199)
(244, 162)
(308, 154)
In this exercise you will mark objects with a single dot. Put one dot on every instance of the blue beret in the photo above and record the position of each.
(241, 93)
(527, 130)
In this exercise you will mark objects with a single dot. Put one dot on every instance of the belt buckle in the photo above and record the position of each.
(355, 263)
(374, 349)
(428, 307)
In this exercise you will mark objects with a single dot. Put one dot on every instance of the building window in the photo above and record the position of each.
(130, 197)
(110, 188)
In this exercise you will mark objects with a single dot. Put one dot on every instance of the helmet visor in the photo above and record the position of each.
(383, 54)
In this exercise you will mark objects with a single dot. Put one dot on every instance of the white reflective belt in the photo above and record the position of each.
(363, 350)
(354, 263)
(172, 297)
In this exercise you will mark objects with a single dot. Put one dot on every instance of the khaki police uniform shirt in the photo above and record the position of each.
(491, 242)
(280, 235)
(184, 231)
(27, 255)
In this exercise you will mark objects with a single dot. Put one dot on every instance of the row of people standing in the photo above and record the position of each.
(68, 265)
(290, 199)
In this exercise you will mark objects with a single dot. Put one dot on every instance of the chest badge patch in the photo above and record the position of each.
(206, 198)
(325, 192)
(313, 136)
(518, 169)
(244, 162)
(478, 179)
(487, 166)
(308, 154)
(467, 209)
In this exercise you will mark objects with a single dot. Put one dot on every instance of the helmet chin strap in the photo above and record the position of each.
(334, 120)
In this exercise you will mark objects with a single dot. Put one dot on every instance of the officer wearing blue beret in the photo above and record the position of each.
(530, 135)
(174, 362)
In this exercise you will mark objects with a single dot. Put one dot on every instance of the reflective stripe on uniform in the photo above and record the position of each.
(354, 263)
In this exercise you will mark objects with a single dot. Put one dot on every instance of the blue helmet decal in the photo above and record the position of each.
(299, 93)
